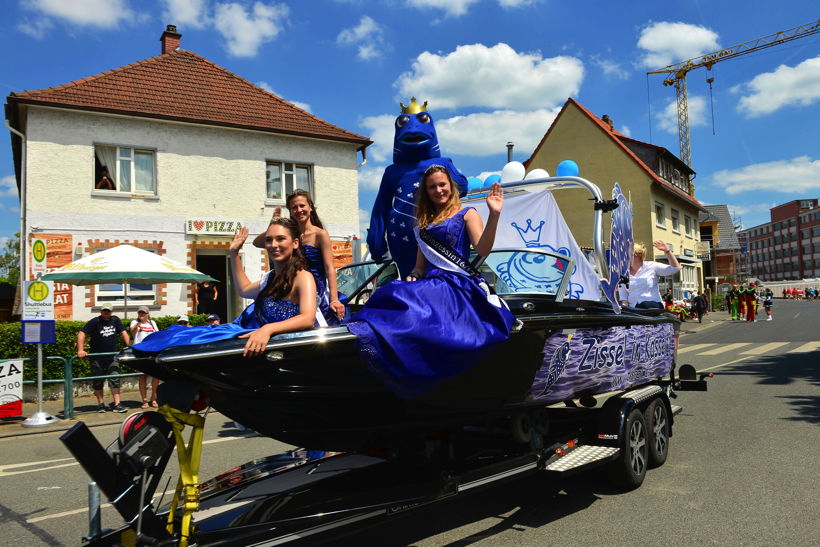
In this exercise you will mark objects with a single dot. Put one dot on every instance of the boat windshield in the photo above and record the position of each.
(530, 271)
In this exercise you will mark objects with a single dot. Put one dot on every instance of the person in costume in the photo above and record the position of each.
(734, 294)
(442, 319)
(284, 299)
(751, 302)
(768, 297)
(317, 249)
(392, 219)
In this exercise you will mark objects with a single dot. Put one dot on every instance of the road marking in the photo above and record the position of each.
(693, 347)
(85, 510)
(723, 349)
(805, 348)
(764, 348)
(723, 365)
(797, 315)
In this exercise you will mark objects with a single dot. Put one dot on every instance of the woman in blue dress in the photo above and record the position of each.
(441, 320)
(284, 299)
(317, 249)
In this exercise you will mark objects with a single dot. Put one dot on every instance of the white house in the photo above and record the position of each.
(192, 151)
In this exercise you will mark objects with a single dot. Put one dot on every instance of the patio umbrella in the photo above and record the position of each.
(124, 264)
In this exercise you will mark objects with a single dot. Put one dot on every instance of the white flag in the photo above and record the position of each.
(533, 220)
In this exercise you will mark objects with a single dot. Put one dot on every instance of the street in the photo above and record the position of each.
(742, 470)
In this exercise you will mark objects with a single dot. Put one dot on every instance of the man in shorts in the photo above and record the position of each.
(103, 331)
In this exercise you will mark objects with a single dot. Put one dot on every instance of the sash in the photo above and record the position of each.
(445, 257)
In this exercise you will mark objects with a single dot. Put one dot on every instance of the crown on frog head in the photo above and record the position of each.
(530, 235)
(413, 107)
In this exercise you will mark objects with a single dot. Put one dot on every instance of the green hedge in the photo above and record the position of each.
(66, 346)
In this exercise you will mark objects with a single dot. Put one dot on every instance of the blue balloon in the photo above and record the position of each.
(474, 183)
(567, 168)
(492, 179)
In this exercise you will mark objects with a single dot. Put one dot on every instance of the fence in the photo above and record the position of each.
(68, 378)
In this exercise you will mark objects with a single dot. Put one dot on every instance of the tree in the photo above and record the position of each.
(10, 260)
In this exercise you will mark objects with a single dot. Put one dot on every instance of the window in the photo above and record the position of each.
(660, 215)
(687, 220)
(675, 216)
(283, 178)
(124, 169)
(815, 231)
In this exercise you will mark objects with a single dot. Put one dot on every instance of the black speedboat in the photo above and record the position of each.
(311, 389)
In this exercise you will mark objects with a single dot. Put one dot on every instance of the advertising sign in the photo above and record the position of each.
(11, 388)
(58, 250)
(212, 226)
(342, 253)
(38, 300)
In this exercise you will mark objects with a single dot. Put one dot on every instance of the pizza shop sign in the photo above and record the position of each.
(212, 226)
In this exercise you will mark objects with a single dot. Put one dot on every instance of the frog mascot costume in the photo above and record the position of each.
(415, 148)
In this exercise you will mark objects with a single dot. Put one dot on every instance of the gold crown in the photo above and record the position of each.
(413, 107)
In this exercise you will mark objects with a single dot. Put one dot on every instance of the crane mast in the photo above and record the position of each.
(677, 72)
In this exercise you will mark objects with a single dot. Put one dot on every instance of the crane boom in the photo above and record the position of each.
(679, 70)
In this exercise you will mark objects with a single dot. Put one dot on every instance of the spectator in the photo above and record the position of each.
(183, 320)
(105, 182)
(699, 303)
(103, 331)
(140, 328)
(205, 297)
(767, 303)
(213, 319)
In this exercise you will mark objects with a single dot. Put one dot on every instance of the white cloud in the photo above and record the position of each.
(480, 134)
(370, 178)
(753, 208)
(611, 69)
(625, 131)
(93, 13)
(8, 186)
(367, 36)
(770, 91)
(450, 7)
(36, 28)
(186, 13)
(667, 119)
(494, 77)
(666, 43)
(484, 174)
(380, 129)
(516, 3)
(246, 30)
(266, 86)
(797, 176)
(487, 133)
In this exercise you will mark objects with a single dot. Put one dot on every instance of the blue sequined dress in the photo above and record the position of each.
(272, 310)
(316, 266)
(414, 335)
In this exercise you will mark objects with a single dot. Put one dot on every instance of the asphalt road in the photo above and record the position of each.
(743, 466)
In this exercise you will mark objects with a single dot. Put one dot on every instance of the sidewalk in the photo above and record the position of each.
(85, 409)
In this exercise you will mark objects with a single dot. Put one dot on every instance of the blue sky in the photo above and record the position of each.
(492, 70)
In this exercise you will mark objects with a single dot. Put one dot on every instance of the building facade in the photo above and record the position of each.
(171, 154)
(788, 246)
(658, 183)
(717, 233)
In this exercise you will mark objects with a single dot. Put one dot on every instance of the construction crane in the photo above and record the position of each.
(679, 70)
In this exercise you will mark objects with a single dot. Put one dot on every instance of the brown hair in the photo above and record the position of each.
(280, 285)
(426, 213)
(314, 217)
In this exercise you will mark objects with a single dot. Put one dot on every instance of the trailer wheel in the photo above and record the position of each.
(657, 426)
(629, 470)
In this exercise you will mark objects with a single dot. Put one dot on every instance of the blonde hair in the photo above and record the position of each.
(426, 213)
(639, 248)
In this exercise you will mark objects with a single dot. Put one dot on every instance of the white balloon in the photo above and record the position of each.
(513, 171)
(537, 174)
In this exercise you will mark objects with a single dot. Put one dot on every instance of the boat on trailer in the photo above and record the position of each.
(534, 403)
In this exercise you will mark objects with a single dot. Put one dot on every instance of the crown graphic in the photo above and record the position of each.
(531, 236)
(413, 107)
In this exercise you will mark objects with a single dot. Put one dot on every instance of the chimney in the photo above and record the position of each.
(170, 39)
(607, 120)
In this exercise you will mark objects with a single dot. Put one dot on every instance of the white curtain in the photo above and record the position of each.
(107, 156)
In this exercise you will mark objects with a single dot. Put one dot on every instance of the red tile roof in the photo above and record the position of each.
(618, 138)
(181, 85)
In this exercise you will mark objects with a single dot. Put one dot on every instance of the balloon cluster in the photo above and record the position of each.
(515, 171)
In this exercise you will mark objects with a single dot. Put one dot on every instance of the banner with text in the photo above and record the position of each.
(11, 388)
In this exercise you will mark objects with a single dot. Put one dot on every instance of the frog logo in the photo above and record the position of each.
(532, 272)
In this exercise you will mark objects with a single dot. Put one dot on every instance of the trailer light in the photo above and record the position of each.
(571, 444)
(559, 452)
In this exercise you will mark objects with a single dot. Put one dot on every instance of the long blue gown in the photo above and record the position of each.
(272, 310)
(316, 266)
(415, 335)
